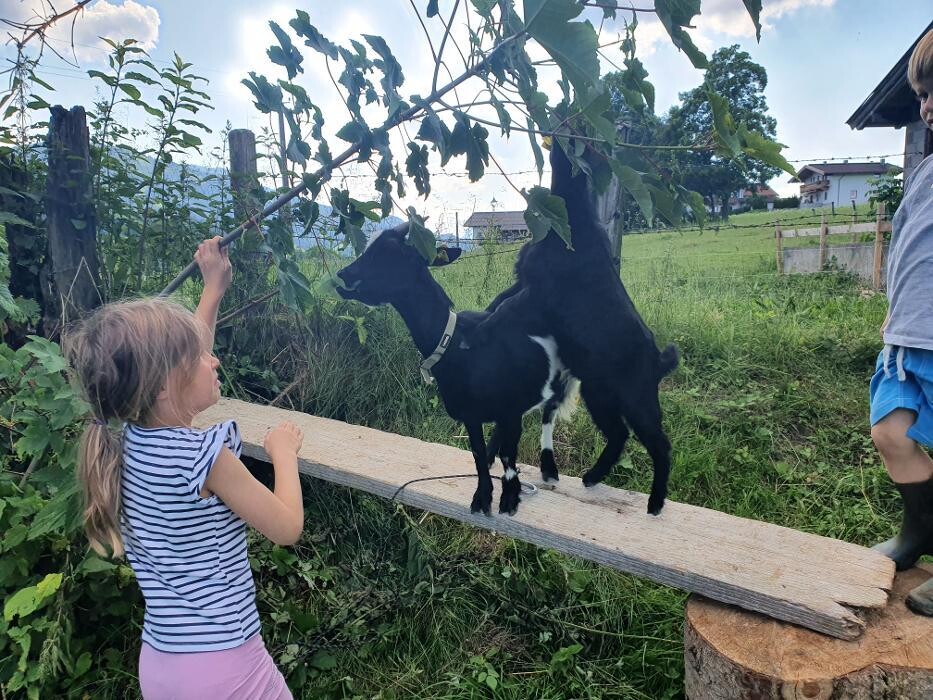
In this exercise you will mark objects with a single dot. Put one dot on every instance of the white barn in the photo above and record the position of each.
(838, 184)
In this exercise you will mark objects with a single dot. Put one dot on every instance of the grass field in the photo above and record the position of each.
(768, 419)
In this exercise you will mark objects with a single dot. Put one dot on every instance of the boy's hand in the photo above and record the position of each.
(214, 263)
(284, 439)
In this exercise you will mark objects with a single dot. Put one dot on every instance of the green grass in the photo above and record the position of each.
(767, 416)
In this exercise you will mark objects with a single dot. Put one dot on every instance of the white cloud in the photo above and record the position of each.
(116, 21)
(730, 18)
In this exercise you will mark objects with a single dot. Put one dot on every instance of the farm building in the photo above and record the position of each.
(838, 184)
(504, 225)
(893, 104)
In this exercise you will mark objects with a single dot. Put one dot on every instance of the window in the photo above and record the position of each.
(853, 195)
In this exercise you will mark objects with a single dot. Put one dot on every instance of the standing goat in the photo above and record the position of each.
(494, 382)
(602, 339)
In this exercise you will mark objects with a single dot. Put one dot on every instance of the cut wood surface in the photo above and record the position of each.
(817, 582)
(731, 654)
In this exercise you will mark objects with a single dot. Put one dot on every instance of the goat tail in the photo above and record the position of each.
(670, 359)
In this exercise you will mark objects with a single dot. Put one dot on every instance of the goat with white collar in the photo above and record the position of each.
(497, 381)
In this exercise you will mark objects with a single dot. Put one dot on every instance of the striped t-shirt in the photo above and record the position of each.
(188, 552)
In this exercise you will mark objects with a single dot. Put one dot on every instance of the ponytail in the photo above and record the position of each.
(99, 464)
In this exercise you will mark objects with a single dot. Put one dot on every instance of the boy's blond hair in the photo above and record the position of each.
(920, 67)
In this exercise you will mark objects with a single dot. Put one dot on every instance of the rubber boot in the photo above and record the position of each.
(916, 536)
(920, 599)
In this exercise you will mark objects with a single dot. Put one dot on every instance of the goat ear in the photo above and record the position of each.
(445, 256)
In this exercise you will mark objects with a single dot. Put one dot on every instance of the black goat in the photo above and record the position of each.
(494, 382)
(602, 339)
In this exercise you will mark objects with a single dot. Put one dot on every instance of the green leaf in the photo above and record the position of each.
(572, 45)
(484, 7)
(546, 212)
(633, 183)
(420, 237)
(313, 38)
(391, 71)
(675, 15)
(323, 661)
(723, 125)
(56, 513)
(268, 96)
(436, 132)
(759, 147)
(609, 8)
(432, 8)
(754, 11)
(594, 105)
(131, 90)
(535, 147)
(27, 600)
(505, 121)
(285, 54)
(470, 141)
(82, 665)
(416, 165)
(7, 217)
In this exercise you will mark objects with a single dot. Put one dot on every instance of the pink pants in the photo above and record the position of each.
(246, 672)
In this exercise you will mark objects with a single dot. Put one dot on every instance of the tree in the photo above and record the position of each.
(741, 83)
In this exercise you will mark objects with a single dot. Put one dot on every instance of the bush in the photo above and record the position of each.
(787, 202)
(887, 190)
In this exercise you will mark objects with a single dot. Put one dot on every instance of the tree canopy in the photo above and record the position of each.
(740, 82)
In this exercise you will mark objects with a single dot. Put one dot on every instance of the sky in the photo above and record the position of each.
(823, 58)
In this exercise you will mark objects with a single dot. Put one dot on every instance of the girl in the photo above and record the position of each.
(174, 499)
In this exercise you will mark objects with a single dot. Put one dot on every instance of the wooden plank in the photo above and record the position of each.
(817, 582)
(832, 230)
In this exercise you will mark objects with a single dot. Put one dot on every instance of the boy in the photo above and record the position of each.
(902, 388)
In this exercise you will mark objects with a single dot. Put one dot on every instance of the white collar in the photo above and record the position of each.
(439, 351)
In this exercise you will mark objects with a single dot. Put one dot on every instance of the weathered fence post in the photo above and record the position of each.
(244, 177)
(852, 225)
(824, 234)
(779, 237)
(73, 285)
(879, 247)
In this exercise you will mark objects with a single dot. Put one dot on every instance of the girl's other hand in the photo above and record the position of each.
(284, 439)
(214, 263)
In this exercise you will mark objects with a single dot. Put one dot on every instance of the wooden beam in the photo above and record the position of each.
(817, 582)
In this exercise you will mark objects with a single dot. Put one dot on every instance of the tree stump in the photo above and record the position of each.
(730, 654)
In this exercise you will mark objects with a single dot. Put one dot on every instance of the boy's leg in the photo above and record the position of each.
(911, 469)
(906, 461)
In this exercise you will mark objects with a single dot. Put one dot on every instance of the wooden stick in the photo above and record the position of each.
(879, 247)
(779, 237)
(824, 234)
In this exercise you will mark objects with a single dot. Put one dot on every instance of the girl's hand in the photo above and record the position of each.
(284, 439)
(214, 263)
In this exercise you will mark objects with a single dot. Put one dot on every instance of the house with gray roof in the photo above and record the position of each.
(497, 225)
(838, 184)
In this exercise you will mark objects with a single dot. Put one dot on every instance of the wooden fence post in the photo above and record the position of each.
(879, 249)
(824, 233)
(778, 237)
(852, 225)
(244, 176)
(72, 285)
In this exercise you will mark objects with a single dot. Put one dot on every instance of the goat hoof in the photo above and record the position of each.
(655, 504)
(590, 479)
(482, 503)
(550, 478)
(509, 503)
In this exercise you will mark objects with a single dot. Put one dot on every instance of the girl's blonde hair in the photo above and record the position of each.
(122, 357)
(920, 66)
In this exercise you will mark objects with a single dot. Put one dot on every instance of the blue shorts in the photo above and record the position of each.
(914, 392)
